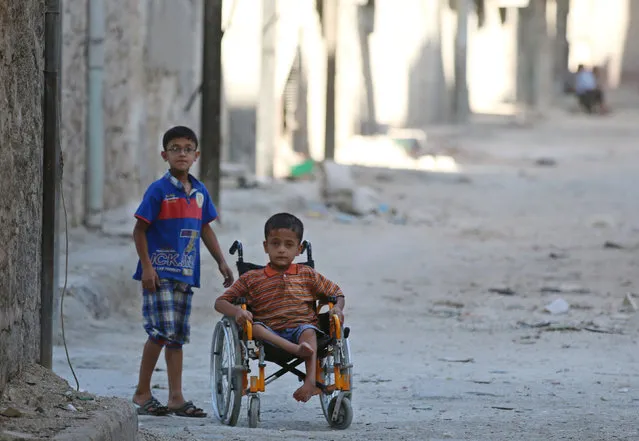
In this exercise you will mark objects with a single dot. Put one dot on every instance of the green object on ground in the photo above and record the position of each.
(305, 168)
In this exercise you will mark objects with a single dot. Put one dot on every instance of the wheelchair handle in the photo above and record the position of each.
(306, 246)
(237, 246)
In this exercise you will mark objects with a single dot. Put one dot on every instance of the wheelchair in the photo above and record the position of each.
(234, 353)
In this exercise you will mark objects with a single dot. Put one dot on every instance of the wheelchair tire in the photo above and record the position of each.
(328, 377)
(344, 415)
(226, 378)
(254, 412)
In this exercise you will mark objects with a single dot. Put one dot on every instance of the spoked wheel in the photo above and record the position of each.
(328, 400)
(254, 411)
(226, 372)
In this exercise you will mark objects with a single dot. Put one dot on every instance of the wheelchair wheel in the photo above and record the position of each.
(254, 411)
(344, 414)
(328, 377)
(226, 372)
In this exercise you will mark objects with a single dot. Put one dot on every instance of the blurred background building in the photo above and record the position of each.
(395, 68)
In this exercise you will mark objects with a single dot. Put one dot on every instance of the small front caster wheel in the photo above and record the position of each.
(254, 412)
(344, 416)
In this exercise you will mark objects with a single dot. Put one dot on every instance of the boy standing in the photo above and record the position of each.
(282, 298)
(174, 214)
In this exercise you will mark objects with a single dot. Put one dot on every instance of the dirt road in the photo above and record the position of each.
(449, 334)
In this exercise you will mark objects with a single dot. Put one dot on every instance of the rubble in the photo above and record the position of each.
(629, 303)
(557, 306)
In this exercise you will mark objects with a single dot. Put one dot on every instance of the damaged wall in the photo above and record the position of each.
(152, 55)
(21, 66)
(152, 68)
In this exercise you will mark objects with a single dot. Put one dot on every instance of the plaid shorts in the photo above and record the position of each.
(166, 313)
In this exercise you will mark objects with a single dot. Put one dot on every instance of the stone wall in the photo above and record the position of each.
(152, 68)
(21, 67)
(73, 108)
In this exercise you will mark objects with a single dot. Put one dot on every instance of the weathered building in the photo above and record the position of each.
(21, 86)
(395, 68)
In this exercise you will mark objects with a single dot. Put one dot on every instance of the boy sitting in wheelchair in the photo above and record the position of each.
(282, 297)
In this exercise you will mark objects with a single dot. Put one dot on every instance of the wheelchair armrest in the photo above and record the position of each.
(325, 325)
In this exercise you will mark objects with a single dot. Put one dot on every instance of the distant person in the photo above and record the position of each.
(599, 77)
(586, 88)
(174, 214)
(282, 298)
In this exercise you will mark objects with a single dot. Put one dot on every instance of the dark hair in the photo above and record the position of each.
(284, 221)
(178, 132)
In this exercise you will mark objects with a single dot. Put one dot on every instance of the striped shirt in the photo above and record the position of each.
(283, 300)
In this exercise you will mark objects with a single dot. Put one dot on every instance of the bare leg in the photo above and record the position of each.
(174, 357)
(309, 388)
(150, 356)
(177, 403)
(304, 349)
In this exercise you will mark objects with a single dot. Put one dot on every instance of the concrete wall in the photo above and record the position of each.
(152, 53)
(404, 79)
(606, 34)
(411, 51)
(21, 66)
(297, 26)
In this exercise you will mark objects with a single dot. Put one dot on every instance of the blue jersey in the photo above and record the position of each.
(175, 224)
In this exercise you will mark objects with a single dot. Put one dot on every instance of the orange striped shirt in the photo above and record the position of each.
(283, 300)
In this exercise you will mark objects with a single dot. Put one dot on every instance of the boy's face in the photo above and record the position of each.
(181, 153)
(282, 246)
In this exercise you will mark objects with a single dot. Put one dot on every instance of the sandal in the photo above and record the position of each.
(152, 407)
(188, 409)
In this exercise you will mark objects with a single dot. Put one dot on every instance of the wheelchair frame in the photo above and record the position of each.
(333, 372)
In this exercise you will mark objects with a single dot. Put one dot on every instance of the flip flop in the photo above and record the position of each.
(188, 409)
(152, 407)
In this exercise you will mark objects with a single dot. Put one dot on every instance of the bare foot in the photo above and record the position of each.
(304, 350)
(305, 392)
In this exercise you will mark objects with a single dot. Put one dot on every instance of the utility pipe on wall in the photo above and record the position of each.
(51, 175)
(95, 131)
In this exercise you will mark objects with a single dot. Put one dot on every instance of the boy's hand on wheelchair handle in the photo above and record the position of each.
(338, 312)
(242, 316)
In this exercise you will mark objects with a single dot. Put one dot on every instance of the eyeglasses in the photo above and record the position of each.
(176, 149)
